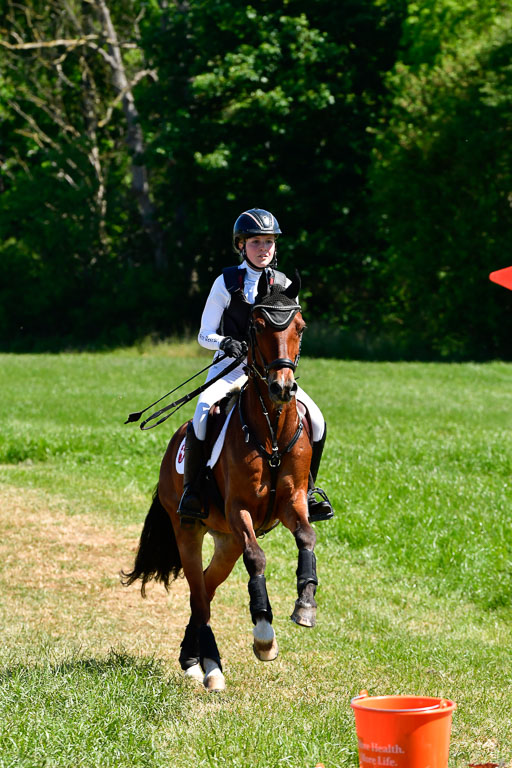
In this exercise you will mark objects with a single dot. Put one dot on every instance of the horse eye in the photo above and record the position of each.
(259, 325)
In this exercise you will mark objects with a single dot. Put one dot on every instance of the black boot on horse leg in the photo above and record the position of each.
(190, 653)
(265, 644)
(209, 658)
(191, 504)
(304, 613)
(318, 509)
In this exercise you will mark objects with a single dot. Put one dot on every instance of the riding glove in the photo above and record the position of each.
(232, 347)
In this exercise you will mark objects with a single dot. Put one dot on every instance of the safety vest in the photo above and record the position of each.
(235, 319)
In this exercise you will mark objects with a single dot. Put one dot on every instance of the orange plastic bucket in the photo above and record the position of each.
(402, 731)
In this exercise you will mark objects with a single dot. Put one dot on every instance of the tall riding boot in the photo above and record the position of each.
(191, 504)
(319, 509)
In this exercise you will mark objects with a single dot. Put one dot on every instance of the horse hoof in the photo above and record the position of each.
(213, 678)
(194, 673)
(266, 651)
(304, 614)
(265, 643)
(214, 681)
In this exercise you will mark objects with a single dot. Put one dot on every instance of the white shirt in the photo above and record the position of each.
(218, 300)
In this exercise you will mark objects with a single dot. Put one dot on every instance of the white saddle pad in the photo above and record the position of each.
(217, 448)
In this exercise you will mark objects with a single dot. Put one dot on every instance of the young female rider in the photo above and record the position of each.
(254, 238)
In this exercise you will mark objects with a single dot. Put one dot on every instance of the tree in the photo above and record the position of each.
(270, 110)
(443, 157)
(67, 154)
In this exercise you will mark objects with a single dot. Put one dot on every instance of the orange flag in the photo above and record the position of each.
(502, 277)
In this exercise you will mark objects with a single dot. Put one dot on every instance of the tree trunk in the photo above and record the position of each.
(134, 139)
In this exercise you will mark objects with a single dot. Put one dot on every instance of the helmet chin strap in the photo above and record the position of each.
(243, 257)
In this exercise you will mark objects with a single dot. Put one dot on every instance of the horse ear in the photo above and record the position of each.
(263, 286)
(293, 289)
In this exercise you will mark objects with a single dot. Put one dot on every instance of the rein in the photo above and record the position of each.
(274, 458)
(177, 404)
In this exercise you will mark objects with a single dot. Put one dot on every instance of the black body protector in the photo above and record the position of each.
(235, 320)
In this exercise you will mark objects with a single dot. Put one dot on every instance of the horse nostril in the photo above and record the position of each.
(275, 389)
(293, 389)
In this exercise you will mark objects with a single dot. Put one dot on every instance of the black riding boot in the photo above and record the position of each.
(319, 509)
(191, 504)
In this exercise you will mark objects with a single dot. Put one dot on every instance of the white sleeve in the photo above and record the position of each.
(217, 301)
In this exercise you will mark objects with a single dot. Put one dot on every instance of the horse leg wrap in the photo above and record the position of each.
(189, 654)
(258, 599)
(306, 569)
(207, 646)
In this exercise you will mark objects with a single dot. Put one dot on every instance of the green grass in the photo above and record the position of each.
(415, 571)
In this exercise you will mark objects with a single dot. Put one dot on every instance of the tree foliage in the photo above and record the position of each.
(442, 182)
(133, 134)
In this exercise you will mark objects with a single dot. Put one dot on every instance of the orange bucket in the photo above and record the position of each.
(402, 731)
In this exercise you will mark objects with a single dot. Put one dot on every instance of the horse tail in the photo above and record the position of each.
(158, 556)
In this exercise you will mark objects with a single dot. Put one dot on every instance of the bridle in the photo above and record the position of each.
(274, 457)
(279, 318)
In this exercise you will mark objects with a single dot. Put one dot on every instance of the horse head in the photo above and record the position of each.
(275, 333)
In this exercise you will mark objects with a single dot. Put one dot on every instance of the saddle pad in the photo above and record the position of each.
(180, 457)
(217, 448)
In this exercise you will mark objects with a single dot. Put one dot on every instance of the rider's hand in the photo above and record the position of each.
(232, 347)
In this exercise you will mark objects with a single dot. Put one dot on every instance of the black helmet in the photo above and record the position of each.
(255, 221)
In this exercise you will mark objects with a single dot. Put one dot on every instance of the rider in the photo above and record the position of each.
(223, 328)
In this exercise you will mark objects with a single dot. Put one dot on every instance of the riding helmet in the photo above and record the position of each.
(255, 221)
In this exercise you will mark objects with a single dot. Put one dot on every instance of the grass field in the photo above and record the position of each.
(415, 571)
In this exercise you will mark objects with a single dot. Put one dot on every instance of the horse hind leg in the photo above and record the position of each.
(210, 660)
(200, 658)
(199, 640)
(190, 654)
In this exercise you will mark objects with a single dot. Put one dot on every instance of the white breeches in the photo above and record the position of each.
(222, 386)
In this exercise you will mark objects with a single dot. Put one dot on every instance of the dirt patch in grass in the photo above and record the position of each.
(60, 586)
(59, 575)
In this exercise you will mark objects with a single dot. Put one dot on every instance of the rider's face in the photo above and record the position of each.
(260, 250)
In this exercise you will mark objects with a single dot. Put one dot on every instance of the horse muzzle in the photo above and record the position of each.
(282, 386)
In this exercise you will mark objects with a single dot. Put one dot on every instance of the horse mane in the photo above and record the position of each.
(229, 400)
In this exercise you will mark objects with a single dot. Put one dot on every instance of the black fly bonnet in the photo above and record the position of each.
(278, 307)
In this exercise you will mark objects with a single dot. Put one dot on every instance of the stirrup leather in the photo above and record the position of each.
(319, 509)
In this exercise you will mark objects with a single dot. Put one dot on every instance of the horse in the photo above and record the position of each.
(259, 481)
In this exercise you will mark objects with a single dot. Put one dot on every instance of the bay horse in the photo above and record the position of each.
(260, 480)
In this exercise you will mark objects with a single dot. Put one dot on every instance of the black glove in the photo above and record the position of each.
(232, 347)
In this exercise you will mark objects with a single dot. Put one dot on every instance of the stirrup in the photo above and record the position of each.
(194, 513)
(319, 510)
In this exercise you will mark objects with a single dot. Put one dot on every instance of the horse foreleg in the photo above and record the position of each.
(265, 643)
(226, 553)
(304, 612)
